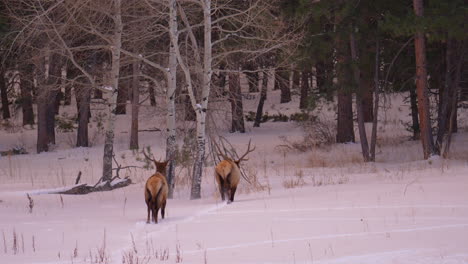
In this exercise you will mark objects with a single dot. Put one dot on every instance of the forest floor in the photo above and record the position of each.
(323, 205)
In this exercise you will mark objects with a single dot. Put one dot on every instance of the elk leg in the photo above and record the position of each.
(221, 186)
(155, 214)
(163, 210)
(228, 188)
(148, 218)
(233, 191)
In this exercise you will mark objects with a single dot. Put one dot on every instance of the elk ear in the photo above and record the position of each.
(237, 162)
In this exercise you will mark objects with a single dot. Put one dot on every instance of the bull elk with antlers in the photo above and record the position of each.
(228, 174)
(156, 190)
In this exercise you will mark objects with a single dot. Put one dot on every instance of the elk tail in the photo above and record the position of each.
(156, 198)
(148, 192)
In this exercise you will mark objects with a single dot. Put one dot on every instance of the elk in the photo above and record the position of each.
(156, 190)
(228, 174)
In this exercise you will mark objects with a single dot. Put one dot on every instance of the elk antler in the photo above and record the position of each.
(148, 157)
(247, 152)
(218, 150)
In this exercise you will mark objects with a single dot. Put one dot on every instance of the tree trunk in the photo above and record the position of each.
(345, 126)
(237, 111)
(50, 115)
(282, 82)
(135, 105)
(190, 114)
(261, 101)
(4, 95)
(171, 143)
(376, 101)
(359, 104)
(291, 79)
(201, 111)
(195, 192)
(421, 88)
(414, 114)
(152, 94)
(122, 97)
(26, 97)
(252, 77)
(297, 80)
(444, 93)
(305, 88)
(454, 100)
(46, 98)
(67, 96)
(115, 73)
(367, 96)
(83, 98)
(42, 138)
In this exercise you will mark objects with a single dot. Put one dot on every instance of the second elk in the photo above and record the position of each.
(228, 174)
(156, 190)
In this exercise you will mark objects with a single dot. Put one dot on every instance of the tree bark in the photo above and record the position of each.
(202, 107)
(152, 94)
(26, 96)
(49, 80)
(237, 110)
(368, 90)
(376, 101)
(42, 138)
(305, 88)
(4, 95)
(421, 87)
(261, 101)
(171, 143)
(345, 126)
(67, 95)
(282, 82)
(122, 97)
(454, 100)
(115, 73)
(50, 113)
(83, 98)
(359, 104)
(414, 114)
(135, 105)
(444, 93)
(252, 77)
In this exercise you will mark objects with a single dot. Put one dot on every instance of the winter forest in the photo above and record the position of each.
(233, 131)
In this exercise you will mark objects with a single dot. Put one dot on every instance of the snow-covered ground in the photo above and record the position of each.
(320, 206)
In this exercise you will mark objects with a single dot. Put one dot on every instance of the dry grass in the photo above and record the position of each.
(295, 181)
(336, 156)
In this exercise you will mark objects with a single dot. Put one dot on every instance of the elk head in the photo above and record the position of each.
(160, 165)
(228, 173)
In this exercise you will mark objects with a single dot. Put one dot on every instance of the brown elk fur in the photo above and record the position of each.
(227, 175)
(156, 190)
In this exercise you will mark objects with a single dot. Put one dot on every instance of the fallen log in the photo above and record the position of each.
(84, 188)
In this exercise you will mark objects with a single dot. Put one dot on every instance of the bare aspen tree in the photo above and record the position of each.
(171, 144)
(112, 103)
(234, 21)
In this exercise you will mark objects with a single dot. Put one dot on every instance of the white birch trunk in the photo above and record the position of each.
(170, 98)
(260, 80)
(112, 101)
(271, 80)
(201, 108)
(314, 79)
